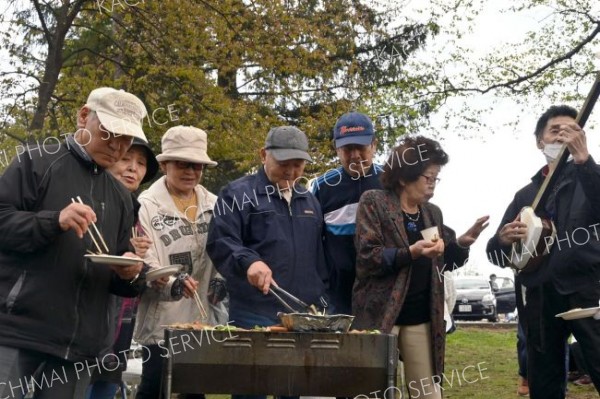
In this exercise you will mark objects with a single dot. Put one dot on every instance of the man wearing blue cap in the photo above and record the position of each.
(338, 192)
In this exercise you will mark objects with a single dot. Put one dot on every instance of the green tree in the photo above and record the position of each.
(42, 28)
(235, 68)
(238, 67)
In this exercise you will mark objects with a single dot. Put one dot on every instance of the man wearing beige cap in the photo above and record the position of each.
(266, 230)
(53, 301)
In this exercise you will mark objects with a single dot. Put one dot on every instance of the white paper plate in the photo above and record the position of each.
(579, 313)
(113, 260)
(166, 271)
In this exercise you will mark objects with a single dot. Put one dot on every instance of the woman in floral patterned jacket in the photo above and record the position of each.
(399, 284)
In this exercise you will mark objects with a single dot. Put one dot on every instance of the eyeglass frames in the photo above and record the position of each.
(185, 165)
(431, 179)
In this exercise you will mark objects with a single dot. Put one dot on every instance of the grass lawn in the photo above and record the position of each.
(482, 363)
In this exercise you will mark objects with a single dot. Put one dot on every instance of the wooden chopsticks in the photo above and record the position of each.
(203, 313)
(98, 248)
(137, 231)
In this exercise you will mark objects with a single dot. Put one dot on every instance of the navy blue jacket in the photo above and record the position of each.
(574, 260)
(338, 193)
(252, 222)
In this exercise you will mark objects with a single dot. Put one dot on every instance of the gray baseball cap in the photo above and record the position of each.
(287, 142)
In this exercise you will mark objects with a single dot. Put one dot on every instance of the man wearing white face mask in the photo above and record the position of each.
(569, 276)
(550, 150)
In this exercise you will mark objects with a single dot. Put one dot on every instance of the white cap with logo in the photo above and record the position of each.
(119, 112)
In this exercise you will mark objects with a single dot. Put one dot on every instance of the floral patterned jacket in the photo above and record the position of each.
(383, 266)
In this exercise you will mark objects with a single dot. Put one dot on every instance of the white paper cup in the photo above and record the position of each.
(431, 234)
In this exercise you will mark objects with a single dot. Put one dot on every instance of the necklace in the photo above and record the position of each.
(411, 225)
(185, 201)
(187, 206)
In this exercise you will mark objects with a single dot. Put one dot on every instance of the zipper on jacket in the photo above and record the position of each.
(293, 238)
(101, 220)
(85, 270)
(91, 193)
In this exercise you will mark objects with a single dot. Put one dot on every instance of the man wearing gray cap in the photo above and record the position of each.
(266, 230)
(54, 303)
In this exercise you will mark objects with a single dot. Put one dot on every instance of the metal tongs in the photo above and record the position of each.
(312, 309)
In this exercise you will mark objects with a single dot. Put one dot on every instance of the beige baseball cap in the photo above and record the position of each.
(185, 143)
(119, 112)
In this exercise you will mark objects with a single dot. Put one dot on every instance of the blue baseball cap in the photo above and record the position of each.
(353, 128)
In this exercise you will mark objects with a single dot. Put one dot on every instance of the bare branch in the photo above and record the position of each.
(512, 84)
(45, 29)
(29, 75)
(99, 55)
(14, 137)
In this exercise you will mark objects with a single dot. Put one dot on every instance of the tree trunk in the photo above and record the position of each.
(54, 59)
(51, 71)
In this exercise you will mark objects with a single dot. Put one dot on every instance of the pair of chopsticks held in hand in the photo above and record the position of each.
(135, 233)
(184, 278)
(104, 248)
(100, 250)
(201, 309)
(97, 239)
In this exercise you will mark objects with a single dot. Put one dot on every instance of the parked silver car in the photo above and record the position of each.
(475, 299)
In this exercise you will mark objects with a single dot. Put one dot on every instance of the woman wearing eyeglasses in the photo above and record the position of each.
(175, 212)
(399, 285)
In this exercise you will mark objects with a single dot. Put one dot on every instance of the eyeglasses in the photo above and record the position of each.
(431, 179)
(185, 165)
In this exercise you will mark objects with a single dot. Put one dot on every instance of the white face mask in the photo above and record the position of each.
(551, 151)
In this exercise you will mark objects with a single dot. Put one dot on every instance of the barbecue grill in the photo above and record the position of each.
(289, 364)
